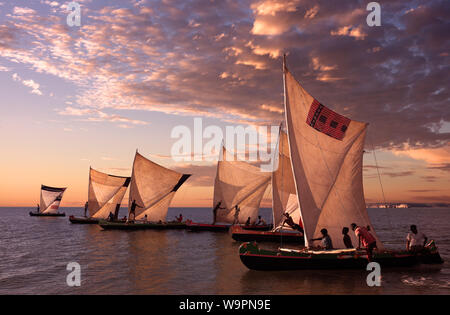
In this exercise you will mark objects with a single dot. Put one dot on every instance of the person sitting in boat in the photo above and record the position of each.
(85, 209)
(415, 240)
(347, 239)
(179, 218)
(217, 207)
(111, 216)
(325, 240)
(291, 223)
(248, 222)
(145, 218)
(260, 221)
(366, 239)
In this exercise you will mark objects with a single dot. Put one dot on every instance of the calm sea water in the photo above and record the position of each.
(34, 253)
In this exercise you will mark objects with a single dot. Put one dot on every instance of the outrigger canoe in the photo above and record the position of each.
(289, 259)
(241, 234)
(39, 214)
(106, 225)
(192, 226)
(83, 220)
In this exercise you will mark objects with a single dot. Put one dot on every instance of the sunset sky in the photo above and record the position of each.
(74, 97)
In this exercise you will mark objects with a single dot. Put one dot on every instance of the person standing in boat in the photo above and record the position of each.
(347, 239)
(236, 214)
(111, 217)
(415, 240)
(325, 240)
(217, 207)
(38, 208)
(366, 239)
(133, 211)
(85, 208)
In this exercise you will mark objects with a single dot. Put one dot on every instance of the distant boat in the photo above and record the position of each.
(284, 200)
(152, 189)
(326, 153)
(104, 197)
(237, 183)
(49, 202)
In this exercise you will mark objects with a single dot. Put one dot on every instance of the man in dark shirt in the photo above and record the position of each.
(133, 211)
(236, 214)
(347, 239)
(217, 207)
(111, 217)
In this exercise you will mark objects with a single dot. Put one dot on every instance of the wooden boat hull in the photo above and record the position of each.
(242, 235)
(36, 214)
(266, 227)
(197, 227)
(141, 226)
(83, 220)
(258, 259)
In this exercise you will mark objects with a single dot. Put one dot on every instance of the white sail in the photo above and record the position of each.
(50, 199)
(153, 187)
(105, 193)
(238, 183)
(326, 154)
(284, 194)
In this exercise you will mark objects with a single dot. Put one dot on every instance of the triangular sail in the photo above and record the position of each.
(153, 187)
(105, 193)
(284, 194)
(50, 199)
(326, 154)
(238, 183)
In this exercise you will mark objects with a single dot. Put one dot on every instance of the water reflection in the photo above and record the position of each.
(36, 251)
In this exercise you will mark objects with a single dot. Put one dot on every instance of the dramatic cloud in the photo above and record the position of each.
(222, 59)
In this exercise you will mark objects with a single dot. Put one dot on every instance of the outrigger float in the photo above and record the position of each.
(106, 225)
(38, 214)
(83, 220)
(255, 258)
(241, 234)
(196, 227)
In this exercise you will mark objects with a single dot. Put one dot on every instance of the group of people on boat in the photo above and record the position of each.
(132, 215)
(365, 238)
(416, 240)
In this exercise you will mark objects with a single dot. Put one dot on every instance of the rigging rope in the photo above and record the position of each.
(379, 180)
